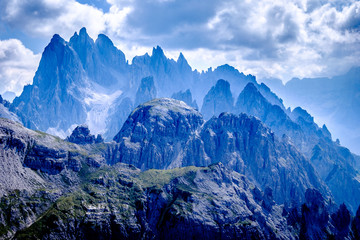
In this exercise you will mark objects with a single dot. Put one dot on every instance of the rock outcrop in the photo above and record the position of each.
(25, 153)
(155, 134)
(219, 99)
(81, 135)
(146, 91)
(186, 97)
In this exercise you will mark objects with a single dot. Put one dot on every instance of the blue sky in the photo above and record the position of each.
(267, 38)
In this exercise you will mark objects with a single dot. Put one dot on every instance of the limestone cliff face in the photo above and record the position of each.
(335, 165)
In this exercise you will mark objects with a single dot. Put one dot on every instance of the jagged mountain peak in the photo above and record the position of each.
(83, 37)
(104, 40)
(251, 88)
(139, 60)
(181, 57)
(300, 112)
(219, 99)
(158, 52)
(146, 90)
(183, 63)
(185, 96)
(226, 67)
(222, 84)
(83, 32)
(57, 39)
(251, 95)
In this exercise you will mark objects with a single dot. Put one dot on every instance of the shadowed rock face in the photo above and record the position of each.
(246, 145)
(4, 111)
(186, 97)
(219, 99)
(334, 164)
(146, 91)
(81, 135)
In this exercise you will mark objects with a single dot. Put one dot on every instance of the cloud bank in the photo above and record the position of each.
(285, 39)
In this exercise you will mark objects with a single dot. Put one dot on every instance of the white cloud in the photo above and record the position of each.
(17, 65)
(285, 39)
(47, 17)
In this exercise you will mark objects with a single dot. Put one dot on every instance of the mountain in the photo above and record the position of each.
(156, 135)
(333, 162)
(334, 101)
(52, 189)
(166, 133)
(186, 97)
(5, 112)
(9, 96)
(146, 91)
(76, 83)
(252, 102)
(54, 94)
(82, 81)
(219, 99)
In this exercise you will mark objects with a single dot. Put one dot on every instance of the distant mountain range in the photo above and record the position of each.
(334, 101)
(186, 154)
(82, 81)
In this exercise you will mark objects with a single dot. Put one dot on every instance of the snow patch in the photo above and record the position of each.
(98, 105)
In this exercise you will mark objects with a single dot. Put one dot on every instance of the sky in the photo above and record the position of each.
(267, 38)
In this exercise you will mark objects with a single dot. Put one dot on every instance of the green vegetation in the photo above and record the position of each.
(118, 188)
(246, 222)
(158, 178)
(65, 209)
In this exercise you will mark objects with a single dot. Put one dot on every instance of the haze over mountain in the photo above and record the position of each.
(334, 101)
